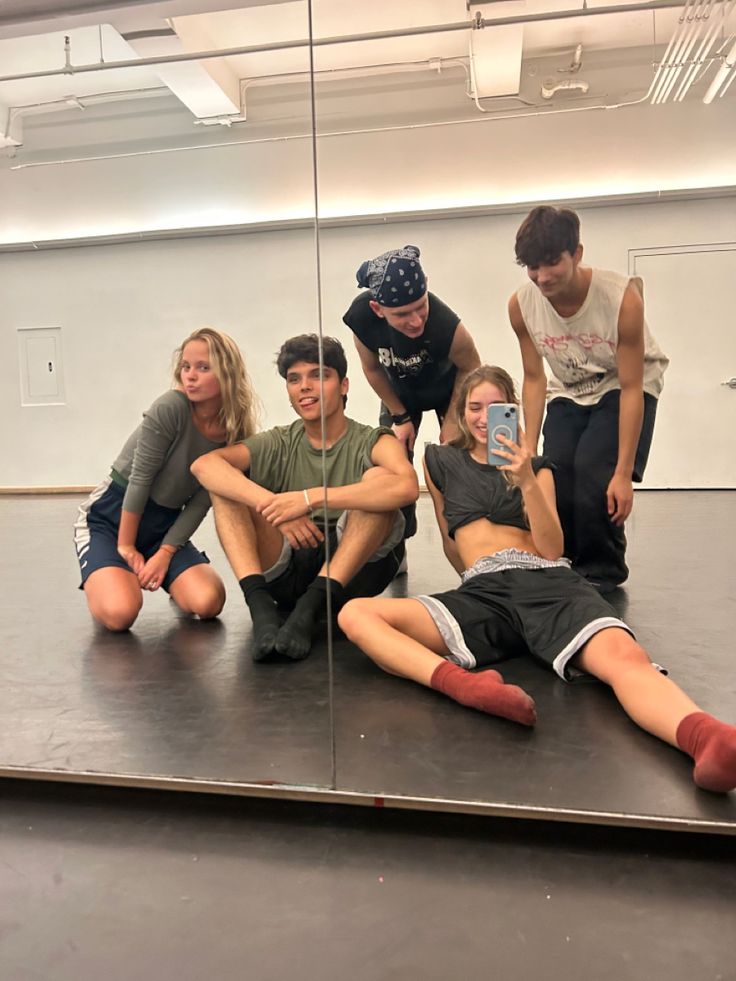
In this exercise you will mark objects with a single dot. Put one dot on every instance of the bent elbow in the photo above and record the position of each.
(551, 553)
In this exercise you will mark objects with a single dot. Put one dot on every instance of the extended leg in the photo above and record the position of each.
(401, 637)
(661, 708)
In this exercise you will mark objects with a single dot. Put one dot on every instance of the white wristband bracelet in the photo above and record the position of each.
(306, 499)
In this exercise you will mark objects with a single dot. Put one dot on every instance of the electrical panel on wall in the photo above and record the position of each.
(41, 372)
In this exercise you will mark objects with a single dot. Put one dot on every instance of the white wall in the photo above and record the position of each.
(470, 263)
(226, 185)
(123, 309)
(574, 156)
(530, 159)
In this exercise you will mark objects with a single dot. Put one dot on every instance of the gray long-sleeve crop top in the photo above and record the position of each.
(155, 460)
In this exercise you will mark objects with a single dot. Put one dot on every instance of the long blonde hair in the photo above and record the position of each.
(238, 415)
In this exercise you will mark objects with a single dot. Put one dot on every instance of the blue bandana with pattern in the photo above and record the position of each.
(395, 278)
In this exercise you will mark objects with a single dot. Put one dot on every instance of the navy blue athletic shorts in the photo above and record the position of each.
(96, 534)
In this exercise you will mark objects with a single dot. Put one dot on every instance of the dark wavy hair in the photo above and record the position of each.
(545, 234)
(306, 347)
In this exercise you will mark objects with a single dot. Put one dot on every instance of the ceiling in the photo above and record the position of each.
(538, 66)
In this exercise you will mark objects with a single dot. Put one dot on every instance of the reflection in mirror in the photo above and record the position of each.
(439, 130)
(148, 192)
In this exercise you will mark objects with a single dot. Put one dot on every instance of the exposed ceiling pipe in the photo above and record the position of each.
(489, 117)
(688, 39)
(576, 63)
(93, 98)
(436, 65)
(551, 88)
(478, 23)
(703, 52)
(663, 66)
(722, 80)
(15, 113)
(690, 47)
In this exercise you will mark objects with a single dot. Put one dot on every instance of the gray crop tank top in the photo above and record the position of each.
(475, 490)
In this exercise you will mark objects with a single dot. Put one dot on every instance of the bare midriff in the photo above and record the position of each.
(481, 537)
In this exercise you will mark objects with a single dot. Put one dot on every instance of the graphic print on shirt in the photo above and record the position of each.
(404, 367)
(579, 361)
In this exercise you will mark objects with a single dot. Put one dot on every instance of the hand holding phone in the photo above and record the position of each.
(503, 420)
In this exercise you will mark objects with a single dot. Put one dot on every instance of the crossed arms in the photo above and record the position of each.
(393, 484)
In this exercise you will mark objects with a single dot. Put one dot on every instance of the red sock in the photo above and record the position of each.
(712, 744)
(485, 691)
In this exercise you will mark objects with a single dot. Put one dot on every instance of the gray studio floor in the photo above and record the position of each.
(130, 883)
(179, 699)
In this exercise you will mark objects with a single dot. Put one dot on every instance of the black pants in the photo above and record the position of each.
(305, 564)
(582, 442)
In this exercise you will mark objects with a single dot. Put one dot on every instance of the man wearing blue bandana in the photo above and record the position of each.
(413, 349)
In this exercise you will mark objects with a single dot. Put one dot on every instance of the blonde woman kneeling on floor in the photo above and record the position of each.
(501, 533)
(132, 533)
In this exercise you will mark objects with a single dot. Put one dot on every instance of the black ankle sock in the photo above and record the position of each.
(264, 614)
(295, 637)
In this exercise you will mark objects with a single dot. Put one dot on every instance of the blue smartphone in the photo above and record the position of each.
(503, 420)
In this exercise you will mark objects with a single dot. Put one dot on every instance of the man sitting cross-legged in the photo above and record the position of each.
(269, 503)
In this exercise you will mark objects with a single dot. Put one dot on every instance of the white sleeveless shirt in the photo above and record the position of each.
(581, 350)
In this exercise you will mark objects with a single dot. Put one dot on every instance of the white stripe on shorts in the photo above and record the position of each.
(559, 665)
(82, 533)
(450, 632)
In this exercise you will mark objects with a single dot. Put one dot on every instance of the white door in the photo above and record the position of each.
(690, 306)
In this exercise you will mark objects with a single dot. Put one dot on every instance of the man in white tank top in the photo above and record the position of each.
(606, 375)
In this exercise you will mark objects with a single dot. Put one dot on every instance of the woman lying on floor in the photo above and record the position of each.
(501, 533)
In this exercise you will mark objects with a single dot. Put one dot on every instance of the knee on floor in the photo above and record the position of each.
(204, 603)
(208, 609)
(116, 616)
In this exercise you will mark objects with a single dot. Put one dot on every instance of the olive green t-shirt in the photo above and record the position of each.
(282, 459)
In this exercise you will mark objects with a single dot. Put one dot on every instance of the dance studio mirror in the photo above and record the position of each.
(140, 203)
(438, 129)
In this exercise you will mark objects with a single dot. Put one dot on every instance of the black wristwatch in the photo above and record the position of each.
(401, 419)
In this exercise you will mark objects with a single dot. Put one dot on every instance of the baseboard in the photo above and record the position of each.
(75, 489)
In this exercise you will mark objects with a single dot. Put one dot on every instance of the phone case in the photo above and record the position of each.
(503, 419)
